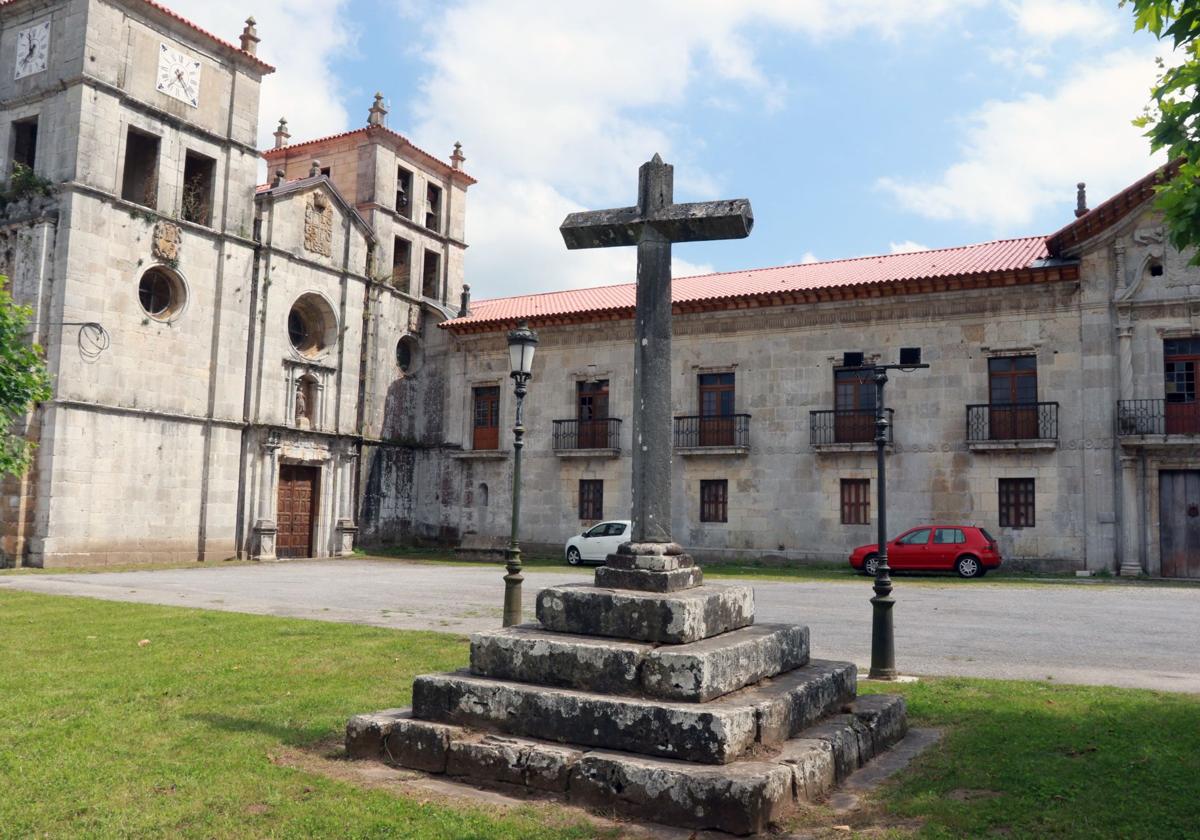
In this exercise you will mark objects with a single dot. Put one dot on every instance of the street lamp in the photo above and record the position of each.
(521, 344)
(883, 639)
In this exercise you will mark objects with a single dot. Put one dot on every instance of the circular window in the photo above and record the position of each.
(161, 294)
(311, 325)
(406, 353)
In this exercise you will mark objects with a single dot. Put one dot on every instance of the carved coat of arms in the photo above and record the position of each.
(318, 224)
(166, 241)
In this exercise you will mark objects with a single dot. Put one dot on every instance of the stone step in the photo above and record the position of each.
(716, 732)
(739, 798)
(670, 618)
(697, 672)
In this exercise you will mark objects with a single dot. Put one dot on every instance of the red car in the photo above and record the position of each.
(965, 549)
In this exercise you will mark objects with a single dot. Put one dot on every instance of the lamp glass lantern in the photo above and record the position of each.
(521, 343)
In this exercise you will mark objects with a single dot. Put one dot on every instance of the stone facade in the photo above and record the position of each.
(247, 346)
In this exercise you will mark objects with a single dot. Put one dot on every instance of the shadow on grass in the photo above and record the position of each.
(290, 736)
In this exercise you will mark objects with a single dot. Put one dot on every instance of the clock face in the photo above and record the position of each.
(33, 48)
(178, 76)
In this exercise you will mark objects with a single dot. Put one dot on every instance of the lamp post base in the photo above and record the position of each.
(883, 649)
(512, 588)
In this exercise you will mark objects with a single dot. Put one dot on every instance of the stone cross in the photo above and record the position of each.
(652, 226)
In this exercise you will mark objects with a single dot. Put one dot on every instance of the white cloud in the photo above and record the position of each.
(809, 257)
(1049, 20)
(906, 247)
(1023, 155)
(551, 103)
(300, 38)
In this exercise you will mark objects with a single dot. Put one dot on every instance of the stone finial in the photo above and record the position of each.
(281, 134)
(464, 306)
(279, 178)
(1080, 199)
(315, 169)
(457, 157)
(250, 37)
(378, 111)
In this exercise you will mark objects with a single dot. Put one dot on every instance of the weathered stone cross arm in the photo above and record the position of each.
(695, 222)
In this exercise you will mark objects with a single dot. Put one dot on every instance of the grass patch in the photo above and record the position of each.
(103, 737)
(1028, 759)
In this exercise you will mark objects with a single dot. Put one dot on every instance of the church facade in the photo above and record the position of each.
(294, 368)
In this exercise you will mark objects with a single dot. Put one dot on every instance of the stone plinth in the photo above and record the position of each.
(671, 618)
(665, 705)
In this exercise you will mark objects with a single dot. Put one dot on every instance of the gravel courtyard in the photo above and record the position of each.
(1137, 636)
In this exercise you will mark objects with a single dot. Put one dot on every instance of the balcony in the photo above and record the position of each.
(1020, 426)
(846, 429)
(587, 438)
(723, 435)
(1166, 421)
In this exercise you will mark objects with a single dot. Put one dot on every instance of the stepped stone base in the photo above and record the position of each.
(647, 580)
(695, 672)
(740, 798)
(716, 732)
(668, 618)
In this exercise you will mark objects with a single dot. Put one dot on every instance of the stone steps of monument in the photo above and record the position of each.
(763, 715)
(665, 617)
(694, 672)
(741, 798)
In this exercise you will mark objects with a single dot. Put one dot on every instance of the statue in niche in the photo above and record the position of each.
(302, 417)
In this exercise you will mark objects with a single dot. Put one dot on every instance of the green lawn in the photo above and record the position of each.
(103, 737)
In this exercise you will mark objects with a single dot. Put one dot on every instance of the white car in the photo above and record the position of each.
(598, 542)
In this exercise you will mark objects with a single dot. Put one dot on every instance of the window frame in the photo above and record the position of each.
(856, 501)
(489, 396)
(591, 499)
(1017, 502)
(714, 500)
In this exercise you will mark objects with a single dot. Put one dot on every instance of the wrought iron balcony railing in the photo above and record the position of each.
(1016, 421)
(846, 425)
(727, 430)
(587, 434)
(1157, 417)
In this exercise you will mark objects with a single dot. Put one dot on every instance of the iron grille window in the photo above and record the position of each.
(714, 500)
(1016, 503)
(856, 501)
(591, 498)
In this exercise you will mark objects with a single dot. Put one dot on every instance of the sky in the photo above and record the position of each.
(855, 127)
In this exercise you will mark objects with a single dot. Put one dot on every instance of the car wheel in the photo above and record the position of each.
(968, 567)
(870, 565)
(573, 556)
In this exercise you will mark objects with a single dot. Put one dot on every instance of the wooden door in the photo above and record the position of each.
(1180, 359)
(1012, 398)
(591, 412)
(487, 418)
(716, 409)
(853, 406)
(1179, 522)
(297, 510)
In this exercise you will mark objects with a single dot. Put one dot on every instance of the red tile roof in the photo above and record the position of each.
(892, 273)
(395, 136)
(1109, 212)
(262, 65)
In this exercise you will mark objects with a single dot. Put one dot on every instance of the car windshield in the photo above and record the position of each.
(598, 531)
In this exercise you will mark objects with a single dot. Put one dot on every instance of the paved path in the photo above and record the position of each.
(1114, 635)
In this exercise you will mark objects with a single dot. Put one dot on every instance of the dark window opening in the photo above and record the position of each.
(486, 411)
(196, 201)
(1016, 503)
(326, 171)
(401, 259)
(404, 192)
(433, 207)
(25, 142)
(856, 501)
(714, 500)
(1156, 269)
(140, 181)
(591, 411)
(430, 279)
(591, 499)
(160, 293)
(299, 330)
